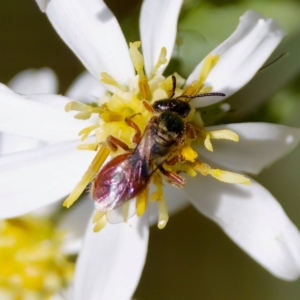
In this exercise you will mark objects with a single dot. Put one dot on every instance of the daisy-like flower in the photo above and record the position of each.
(115, 256)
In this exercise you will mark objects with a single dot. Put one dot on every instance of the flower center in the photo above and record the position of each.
(32, 264)
(135, 103)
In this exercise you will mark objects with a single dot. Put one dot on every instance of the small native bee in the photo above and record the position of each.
(129, 174)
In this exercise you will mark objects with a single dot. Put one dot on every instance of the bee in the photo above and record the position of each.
(129, 174)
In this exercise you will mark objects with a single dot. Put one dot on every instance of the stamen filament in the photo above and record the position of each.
(86, 131)
(106, 78)
(163, 215)
(142, 202)
(100, 224)
(88, 176)
(162, 59)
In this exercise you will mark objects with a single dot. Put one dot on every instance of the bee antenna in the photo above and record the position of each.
(203, 95)
(174, 86)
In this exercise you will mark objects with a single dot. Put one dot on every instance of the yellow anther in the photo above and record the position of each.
(88, 176)
(98, 215)
(86, 131)
(138, 63)
(207, 143)
(197, 86)
(229, 177)
(85, 110)
(162, 59)
(92, 147)
(224, 176)
(100, 224)
(142, 202)
(223, 134)
(163, 215)
(189, 153)
(106, 78)
(209, 62)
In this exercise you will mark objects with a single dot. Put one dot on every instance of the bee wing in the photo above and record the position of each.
(122, 213)
(119, 181)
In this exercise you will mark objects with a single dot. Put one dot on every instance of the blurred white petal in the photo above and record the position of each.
(74, 223)
(34, 81)
(260, 145)
(42, 4)
(158, 27)
(253, 219)
(111, 261)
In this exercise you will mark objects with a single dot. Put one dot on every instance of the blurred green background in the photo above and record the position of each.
(191, 258)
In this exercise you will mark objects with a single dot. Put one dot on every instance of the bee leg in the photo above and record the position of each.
(138, 135)
(148, 107)
(190, 131)
(175, 160)
(173, 178)
(113, 144)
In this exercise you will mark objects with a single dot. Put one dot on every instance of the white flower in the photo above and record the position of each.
(111, 262)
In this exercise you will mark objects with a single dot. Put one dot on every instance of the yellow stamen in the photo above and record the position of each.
(92, 147)
(85, 111)
(209, 63)
(86, 131)
(224, 176)
(229, 177)
(98, 216)
(188, 153)
(138, 63)
(223, 134)
(88, 176)
(197, 86)
(100, 224)
(159, 193)
(106, 78)
(142, 202)
(163, 215)
(162, 59)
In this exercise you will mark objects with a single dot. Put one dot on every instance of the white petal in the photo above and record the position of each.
(269, 80)
(158, 26)
(74, 223)
(86, 89)
(176, 200)
(35, 81)
(253, 219)
(32, 179)
(11, 143)
(42, 4)
(260, 145)
(91, 30)
(111, 261)
(40, 116)
(241, 55)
